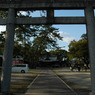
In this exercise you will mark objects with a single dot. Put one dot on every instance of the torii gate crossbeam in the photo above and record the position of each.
(50, 5)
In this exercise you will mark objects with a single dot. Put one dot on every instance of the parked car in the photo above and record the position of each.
(23, 68)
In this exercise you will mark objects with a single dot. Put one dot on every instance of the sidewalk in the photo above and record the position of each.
(47, 83)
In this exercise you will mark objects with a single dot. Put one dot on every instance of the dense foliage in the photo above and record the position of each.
(31, 41)
(78, 50)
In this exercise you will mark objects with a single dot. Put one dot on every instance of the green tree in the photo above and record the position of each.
(23, 34)
(79, 50)
(45, 37)
(3, 14)
(45, 40)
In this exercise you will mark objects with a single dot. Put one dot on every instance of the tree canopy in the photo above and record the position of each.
(32, 40)
(79, 49)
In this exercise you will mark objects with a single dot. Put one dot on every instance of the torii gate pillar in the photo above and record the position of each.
(89, 13)
(8, 52)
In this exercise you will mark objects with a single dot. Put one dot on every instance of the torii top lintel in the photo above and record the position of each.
(46, 4)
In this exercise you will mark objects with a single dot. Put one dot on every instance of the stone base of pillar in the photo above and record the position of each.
(7, 93)
(92, 93)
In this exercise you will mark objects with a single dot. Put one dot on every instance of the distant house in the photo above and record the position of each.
(51, 58)
(17, 60)
(48, 60)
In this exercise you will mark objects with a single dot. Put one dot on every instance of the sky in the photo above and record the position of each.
(67, 31)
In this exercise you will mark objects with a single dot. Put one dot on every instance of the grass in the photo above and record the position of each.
(20, 87)
(20, 82)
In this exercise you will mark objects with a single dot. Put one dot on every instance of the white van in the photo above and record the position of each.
(23, 68)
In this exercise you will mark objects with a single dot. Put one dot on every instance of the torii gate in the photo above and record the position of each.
(49, 6)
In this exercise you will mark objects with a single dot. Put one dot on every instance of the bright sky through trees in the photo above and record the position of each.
(69, 32)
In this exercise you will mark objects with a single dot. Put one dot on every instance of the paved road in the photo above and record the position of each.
(47, 83)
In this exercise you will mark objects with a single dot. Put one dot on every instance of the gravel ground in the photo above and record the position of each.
(78, 81)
